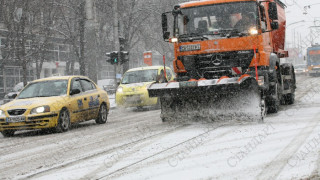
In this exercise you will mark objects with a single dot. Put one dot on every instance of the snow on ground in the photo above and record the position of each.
(137, 145)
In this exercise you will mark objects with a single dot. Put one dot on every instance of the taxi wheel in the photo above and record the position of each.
(7, 133)
(63, 121)
(103, 115)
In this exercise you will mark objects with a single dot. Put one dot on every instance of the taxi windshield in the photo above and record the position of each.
(44, 89)
(139, 76)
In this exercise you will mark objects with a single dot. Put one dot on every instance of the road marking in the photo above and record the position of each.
(103, 151)
(273, 169)
(166, 150)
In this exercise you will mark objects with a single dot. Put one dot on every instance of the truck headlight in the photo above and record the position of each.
(2, 114)
(120, 89)
(174, 40)
(40, 109)
(253, 31)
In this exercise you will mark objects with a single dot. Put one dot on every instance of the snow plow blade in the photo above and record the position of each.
(214, 99)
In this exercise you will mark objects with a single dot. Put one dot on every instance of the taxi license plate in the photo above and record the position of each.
(133, 98)
(16, 119)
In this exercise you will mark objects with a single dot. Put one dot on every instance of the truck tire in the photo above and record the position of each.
(288, 69)
(274, 98)
(290, 98)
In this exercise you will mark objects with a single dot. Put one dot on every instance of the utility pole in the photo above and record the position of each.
(116, 39)
(91, 39)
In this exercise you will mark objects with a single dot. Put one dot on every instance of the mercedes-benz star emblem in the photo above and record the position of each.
(216, 59)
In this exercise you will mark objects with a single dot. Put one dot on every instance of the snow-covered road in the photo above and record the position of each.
(137, 145)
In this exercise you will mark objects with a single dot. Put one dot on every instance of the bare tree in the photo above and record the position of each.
(16, 19)
(42, 30)
(72, 28)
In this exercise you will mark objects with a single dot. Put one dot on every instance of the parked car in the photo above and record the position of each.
(300, 69)
(54, 103)
(11, 95)
(108, 85)
(132, 91)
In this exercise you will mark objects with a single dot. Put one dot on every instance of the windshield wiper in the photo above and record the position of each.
(230, 32)
(193, 36)
(32, 97)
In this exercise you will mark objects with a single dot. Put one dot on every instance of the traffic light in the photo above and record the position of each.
(124, 56)
(113, 57)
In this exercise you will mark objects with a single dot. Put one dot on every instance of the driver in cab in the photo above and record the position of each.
(246, 22)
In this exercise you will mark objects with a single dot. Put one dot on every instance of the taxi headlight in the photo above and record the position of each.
(2, 114)
(253, 31)
(40, 109)
(120, 89)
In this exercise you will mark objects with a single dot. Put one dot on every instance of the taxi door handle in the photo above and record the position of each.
(85, 99)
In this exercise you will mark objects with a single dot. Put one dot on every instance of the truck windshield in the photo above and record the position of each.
(212, 20)
(140, 76)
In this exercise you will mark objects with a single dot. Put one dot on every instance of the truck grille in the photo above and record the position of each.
(218, 64)
(16, 112)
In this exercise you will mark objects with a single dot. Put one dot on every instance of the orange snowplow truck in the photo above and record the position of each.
(230, 51)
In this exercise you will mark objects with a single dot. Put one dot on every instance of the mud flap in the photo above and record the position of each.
(231, 100)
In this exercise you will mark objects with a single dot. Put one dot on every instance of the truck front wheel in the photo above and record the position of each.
(274, 96)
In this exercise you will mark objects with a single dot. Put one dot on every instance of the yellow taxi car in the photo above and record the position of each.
(132, 91)
(54, 103)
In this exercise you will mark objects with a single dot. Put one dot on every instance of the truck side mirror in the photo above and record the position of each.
(274, 25)
(273, 11)
(262, 10)
(166, 33)
(74, 91)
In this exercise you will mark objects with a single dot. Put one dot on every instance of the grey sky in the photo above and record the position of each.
(296, 12)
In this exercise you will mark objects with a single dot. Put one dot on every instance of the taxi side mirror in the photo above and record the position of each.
(75, 91)
(13, 96)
